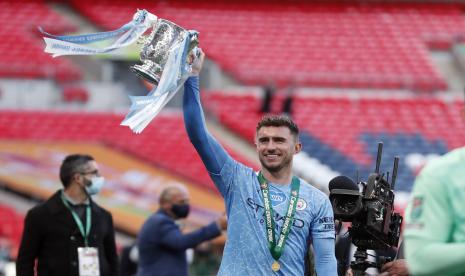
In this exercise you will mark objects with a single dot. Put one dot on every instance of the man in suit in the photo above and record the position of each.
(69, 234)
(162, 245)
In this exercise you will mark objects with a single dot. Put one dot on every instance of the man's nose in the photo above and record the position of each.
(270, 146)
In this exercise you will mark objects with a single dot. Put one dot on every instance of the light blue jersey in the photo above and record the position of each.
(246, 251)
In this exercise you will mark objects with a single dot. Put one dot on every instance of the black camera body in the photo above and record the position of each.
(370, 207)
(375, 225)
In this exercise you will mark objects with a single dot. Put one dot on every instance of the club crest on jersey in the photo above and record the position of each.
(301, 204)
(417, 207)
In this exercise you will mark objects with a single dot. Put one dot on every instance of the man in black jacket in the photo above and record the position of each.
(69, 234)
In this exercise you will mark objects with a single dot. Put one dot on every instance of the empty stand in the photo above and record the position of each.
(343, 132)
(22, 47)
(163, 143)
(334, 45)
(75, 94)
(11, 227)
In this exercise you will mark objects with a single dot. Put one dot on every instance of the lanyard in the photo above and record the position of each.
(78, 220)
(276, 248)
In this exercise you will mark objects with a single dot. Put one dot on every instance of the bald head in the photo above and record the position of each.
(171, 193)
(172, 199)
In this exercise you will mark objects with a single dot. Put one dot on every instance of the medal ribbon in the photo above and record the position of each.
(78, 220)
(277, 247)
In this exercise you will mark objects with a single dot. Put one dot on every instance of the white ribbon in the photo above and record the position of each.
(62, 45)
(175, 73)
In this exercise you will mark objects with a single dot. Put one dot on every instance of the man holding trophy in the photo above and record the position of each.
(273, 216)
(266, 235)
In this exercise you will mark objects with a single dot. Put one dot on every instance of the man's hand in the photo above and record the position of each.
(395, 268)
(197, 62)
(222, 222)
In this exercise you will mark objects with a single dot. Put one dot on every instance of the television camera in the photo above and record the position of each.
(369, 206)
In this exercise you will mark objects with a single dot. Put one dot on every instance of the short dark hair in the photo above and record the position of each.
(278, 121)
(73, 164)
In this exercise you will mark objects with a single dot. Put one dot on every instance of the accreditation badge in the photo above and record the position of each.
(88, 261)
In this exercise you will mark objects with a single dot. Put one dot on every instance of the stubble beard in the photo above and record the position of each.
(275, 168)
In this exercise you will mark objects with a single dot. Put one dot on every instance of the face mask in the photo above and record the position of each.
(180, 210)
(95, 186)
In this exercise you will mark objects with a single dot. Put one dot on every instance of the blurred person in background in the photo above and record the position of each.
(128, 262)
(267, 235)
(287, 108)
(435, 218)
(206, 261)
(69, 234)
(267, 97)
(161, 244)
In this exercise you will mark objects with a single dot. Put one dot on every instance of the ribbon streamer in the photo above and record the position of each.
(176, 70)
(144, 108)
(72, 45)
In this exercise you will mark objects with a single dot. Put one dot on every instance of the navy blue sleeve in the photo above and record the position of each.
(211, 152)
(172, 237)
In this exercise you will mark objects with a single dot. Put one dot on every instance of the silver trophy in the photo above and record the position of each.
(154, 54)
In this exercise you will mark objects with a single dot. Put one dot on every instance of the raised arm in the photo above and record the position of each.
(211, 152)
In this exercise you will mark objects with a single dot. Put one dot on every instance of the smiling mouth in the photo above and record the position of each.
(271, 156)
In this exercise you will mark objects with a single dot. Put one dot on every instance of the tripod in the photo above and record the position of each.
(361, 264)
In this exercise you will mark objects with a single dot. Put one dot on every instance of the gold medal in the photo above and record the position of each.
(275, 266)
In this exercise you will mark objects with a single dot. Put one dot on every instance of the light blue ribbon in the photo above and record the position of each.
(176, 71)
(89, 38)
(73, 44)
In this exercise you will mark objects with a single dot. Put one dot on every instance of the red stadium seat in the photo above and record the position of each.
(335, 45)
(331, 118)
(22, 48)
(163, 143)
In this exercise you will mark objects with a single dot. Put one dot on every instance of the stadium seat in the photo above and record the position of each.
(350, 128)
(163, 143)
(22, 46)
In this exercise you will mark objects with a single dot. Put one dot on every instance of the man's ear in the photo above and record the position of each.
(78, 178)
(298, 147)
(255, 142)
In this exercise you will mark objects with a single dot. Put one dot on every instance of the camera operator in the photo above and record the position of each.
(398, 267)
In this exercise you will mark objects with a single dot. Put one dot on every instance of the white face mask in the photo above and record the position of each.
(96, 185)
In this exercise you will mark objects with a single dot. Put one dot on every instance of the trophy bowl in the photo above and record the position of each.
(154, 54)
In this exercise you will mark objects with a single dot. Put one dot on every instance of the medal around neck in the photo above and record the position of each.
(164, 58)
(275, 266)
(276, 246)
